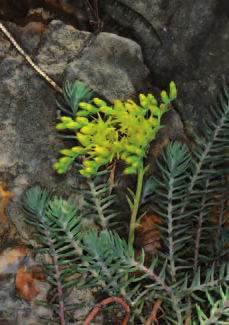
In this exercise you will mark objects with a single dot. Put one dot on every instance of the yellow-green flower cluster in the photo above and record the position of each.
(124, 132)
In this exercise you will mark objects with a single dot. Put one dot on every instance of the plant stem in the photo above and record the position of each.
(134, 210)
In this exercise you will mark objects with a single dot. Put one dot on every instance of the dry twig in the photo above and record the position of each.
(103, 304)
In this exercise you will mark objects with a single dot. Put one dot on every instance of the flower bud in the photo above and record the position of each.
(131, 148)
(67, 152)
(66, 119)
(165, 97)
(90, 170)
(136, 164)
(143, 103)
(124, 155)
(73, 126)
(91, 108)
(79, 150)
(132, 159)
(56, 165)
(153, 100)
(82, 120)
(173, 91)
(90, 163)
(142, 99)
(61, 126)
(99, 102)
(106, 110)
(163, 107)
(83, 105)
(65, 160)
(61, 171)
(130, 170)
(83, 113)
(84, 173)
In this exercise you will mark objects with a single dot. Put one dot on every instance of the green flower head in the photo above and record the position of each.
(122, 132)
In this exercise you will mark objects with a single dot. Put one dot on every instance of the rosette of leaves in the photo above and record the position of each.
(74, 93)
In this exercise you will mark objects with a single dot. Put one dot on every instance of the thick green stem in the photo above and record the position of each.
(134, 210)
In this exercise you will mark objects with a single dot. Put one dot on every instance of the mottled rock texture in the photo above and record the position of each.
(186, 41)
(111, 65)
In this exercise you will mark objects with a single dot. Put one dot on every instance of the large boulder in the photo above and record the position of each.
(184, 41)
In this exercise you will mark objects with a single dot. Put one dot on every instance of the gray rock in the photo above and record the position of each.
(111, 65)
(184, 41)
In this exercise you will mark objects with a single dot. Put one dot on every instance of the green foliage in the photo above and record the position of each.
(54, 217)
(190, 273)
(98, 201)
(124, 132)
(74, 94)
(219, 308)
